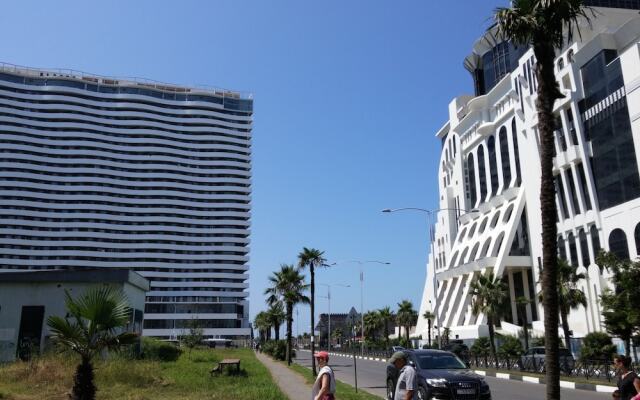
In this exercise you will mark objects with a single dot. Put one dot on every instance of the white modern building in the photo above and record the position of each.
(100, 172)
(490, 164)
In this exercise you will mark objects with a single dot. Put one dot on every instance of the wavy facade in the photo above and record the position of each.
(100, 172)
(490, 164)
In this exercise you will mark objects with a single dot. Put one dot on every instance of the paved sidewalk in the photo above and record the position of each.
(292, 384)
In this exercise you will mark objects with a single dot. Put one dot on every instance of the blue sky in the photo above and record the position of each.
(348, 97)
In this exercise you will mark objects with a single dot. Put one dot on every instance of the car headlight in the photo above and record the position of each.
(440, 383)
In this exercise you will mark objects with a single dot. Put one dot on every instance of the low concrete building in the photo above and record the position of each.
(28, 298)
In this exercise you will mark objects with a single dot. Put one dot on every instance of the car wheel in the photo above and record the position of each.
(422, 393)
(391, 390)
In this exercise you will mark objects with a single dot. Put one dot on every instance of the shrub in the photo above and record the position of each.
(537, 341)
(277, 349)
(153, 349)
(481, 347)
(511, 347)
(597, 346)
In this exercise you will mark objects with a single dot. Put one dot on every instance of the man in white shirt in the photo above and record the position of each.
(406, 384)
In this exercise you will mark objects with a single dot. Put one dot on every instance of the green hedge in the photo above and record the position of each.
(277, 349)
(154, 349)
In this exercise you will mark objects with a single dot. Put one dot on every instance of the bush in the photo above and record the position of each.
(481, 347)
(537, 341)
(511, 347)
(597, 346)
(277, 349)
(154, 349)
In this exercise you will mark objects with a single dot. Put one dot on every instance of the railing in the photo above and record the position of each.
(587, 369)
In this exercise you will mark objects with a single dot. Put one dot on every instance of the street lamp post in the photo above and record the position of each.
(430, 213)
(360, 263)
(328, 285)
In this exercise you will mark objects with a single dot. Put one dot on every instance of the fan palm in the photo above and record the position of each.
(263, 325)
(288, 287)
(92, 325)
(490, 297)
(276, 317)
(372, 324)
(545, 25)
(406, 316)
(312, 258)
(429, 316)
(386, 316)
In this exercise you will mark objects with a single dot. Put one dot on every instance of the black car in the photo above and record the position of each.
(441, 376)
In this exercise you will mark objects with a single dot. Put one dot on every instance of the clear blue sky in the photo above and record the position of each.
(348, 97)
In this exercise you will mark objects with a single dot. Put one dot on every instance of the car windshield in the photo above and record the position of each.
(440, 361)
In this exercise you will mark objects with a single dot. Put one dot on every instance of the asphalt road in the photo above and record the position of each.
(371, 377)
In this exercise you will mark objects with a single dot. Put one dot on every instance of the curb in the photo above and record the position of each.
(500, 375)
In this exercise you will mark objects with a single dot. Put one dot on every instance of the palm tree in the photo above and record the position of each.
(338, 335)
(263, 324)
(372, 324)
(287, 285)
(545, 25)
(91, 327)
(521, 304)
(429, 316)
(490, 297)
(276, 317)
(406, 316)
(569, 296)
(312, 258)
(386, 316)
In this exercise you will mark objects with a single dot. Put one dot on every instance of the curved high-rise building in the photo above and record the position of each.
(100, 172)
(489, 174)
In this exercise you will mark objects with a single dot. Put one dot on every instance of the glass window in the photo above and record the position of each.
(595, 240)
(504, 157)
(636, 236)
(471, 174)
(584, 247)
(474, 252)
(562, 251)
(572, 128)
(584, 188)
(485, 248)
(563, 210)
(516, 152)
(493, 165)
(573, 252)
(497, 245)
(482, 174)
(618, 244)
(559, 134)
(440, 361)
(572, 191)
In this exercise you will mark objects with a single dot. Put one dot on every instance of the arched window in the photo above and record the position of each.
(595, 240)
(562, 252)
(560, 63)
(453, 260)
(453, 139)
(462, 235)
(495, 218)
(474, 251)
(485, 249)
(483, 224)
(573, 251)
(636, 236)
(570, 56)
(482, 174)
(516, 154)
(493, 165)
(463, 256)
(497, 245)
(504, 157)
(472, 230)
(471, 175)
(584, 247)
(507, 214)
(618, 244)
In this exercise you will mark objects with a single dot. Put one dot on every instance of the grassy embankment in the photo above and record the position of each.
(51, 378)
(343, 390)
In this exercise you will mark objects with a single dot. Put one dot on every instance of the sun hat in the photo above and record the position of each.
(321, 354)
(397, 356)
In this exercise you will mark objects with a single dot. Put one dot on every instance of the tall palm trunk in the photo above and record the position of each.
(548, 92)
(276, 330)
(313, 326)
(289, 330)
(564, 317)
(525, 328)
(406, 331)
(83, 381)
(429, 331)
(386, 332)
(492, 342)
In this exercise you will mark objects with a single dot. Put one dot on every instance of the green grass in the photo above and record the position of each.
(51, 378)
(343, 390)
(593, 381)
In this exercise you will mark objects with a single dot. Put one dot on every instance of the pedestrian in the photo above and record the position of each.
(324, 388)
(628, 381)
(406, 384)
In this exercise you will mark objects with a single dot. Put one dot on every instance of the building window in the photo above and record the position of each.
(562, 252)
(559, 134)
(584, 188)
(636, 236)
(493, 165)
(560, 63)
(474, 252)
(497, 245)
(618, 244)
(516, 152)
(572, 191)
(570, 56)
(573, 251)
(485, 248)
(563, 210)
(573, 134)
(584, 247)
(482, 174)
(504, 157)
(471, 175)
(595, 240)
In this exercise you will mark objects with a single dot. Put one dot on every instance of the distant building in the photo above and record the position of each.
(28, 299)
(342, 322)
(100, 172)
(490, 165)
